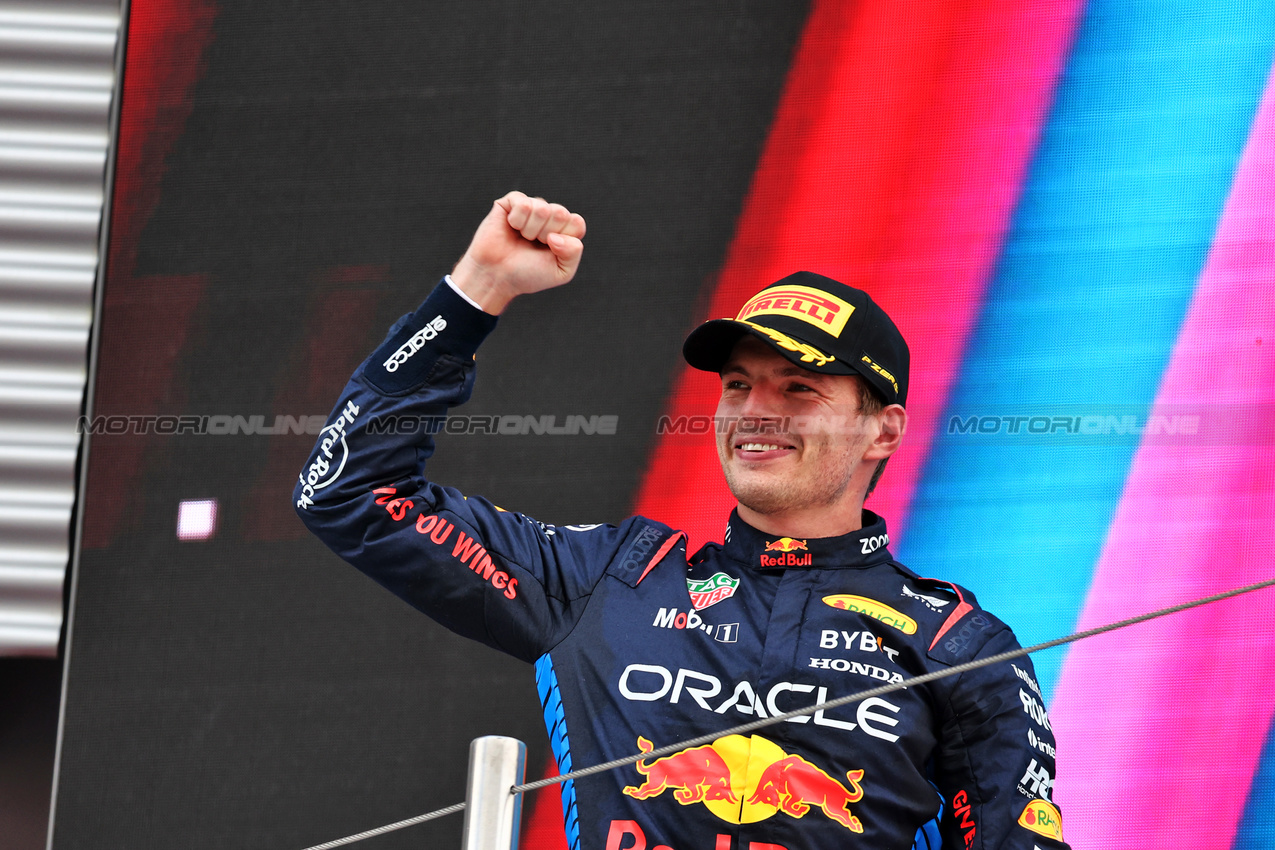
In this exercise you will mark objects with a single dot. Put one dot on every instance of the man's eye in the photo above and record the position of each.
(734, 385)
(801, 388)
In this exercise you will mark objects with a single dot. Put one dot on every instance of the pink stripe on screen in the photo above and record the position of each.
(1161, 726)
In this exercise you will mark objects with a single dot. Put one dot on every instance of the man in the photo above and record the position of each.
(638, 644)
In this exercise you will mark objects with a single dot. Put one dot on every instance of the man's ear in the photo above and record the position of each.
(892, 422)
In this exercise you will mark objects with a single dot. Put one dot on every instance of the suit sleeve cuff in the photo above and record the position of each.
(471, 302)
(446, 324)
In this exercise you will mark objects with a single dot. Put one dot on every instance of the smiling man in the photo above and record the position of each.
(638, 644)
(805, 429)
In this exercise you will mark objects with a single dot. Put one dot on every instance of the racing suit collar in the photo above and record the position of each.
(858, 549)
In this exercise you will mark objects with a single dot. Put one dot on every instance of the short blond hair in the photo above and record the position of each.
(871, 403)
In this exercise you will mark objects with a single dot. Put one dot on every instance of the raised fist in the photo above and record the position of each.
(523, 245)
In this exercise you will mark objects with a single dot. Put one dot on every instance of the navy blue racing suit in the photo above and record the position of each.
(638, 644)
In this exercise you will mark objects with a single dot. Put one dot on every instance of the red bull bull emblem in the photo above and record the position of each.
(695, 775)
(786, 547)
(721, 776)
(785, 544)
(711, 590)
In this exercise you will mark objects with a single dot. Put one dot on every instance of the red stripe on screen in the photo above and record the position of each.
(894, 162)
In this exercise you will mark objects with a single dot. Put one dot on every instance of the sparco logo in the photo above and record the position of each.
(326, 468)
(640, 549)
(413, 345)
(651, 682)
(958, 642)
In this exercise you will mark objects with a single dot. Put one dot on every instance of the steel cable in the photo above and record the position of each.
(823, 706)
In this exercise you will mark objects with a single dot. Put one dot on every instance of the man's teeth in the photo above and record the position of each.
(759, 447)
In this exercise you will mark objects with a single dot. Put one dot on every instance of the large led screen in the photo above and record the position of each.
(1065, 205)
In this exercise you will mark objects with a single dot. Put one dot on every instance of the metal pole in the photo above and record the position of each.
(492, 811)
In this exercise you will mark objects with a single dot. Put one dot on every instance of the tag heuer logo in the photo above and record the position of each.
(710, 591)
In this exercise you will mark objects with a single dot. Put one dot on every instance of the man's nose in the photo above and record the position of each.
(762, 402)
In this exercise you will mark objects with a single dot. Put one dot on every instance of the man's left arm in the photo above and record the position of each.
(996, 760)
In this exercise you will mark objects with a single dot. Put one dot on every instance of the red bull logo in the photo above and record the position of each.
(786, 547)
(719, 775)
(629, 835)
(793, 785)
(696, 775)
(785, 544)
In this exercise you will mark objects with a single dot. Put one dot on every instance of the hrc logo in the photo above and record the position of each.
(824, 311)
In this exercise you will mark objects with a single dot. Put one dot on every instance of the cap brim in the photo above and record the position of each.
(709, 346)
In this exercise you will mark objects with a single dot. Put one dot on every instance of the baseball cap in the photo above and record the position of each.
(818, 324)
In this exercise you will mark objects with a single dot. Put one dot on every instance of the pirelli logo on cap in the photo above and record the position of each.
(826, 312)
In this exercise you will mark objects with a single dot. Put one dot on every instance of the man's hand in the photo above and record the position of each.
(523, 245)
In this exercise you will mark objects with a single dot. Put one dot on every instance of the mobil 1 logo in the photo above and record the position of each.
(671, 618)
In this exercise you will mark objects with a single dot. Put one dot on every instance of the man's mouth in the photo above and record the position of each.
(759, 447)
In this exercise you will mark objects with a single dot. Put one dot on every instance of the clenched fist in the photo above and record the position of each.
(523, 245)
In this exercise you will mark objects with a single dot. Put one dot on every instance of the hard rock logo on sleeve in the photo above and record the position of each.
(329, 459)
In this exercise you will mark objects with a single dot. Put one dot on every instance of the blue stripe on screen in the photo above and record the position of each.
(1111, 231)
(1257, 828)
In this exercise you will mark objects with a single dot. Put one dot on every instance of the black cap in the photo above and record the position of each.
(818, 324)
